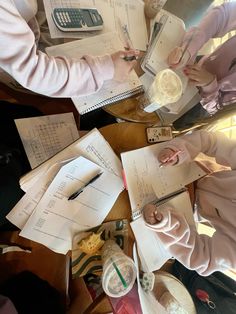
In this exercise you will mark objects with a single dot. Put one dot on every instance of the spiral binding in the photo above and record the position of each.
(112, 100)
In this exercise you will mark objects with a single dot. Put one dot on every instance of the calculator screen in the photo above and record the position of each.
(87, 17)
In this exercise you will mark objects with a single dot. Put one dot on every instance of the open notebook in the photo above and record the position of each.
(167, 32)
(111, 91)
(148, 183)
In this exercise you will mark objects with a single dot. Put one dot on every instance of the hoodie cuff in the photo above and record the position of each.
(102, 66)
(210, 88)
(160, 226)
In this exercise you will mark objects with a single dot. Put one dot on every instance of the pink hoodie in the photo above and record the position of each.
(215, 203)
(34, 70)
(219, 21)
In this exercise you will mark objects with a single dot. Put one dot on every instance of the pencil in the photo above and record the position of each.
(187, 45)
(170, 158)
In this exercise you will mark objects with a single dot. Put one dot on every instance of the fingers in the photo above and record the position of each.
(167, 157)
(178, 58)
(151, 214)
(175, 56)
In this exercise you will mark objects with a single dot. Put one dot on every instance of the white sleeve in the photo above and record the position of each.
(34, 70)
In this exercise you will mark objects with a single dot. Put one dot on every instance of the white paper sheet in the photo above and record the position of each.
(152, 252)
(55, 220)
(148, 302)
(45, 136)
(130, 14)
(92, 146)
(146, 181)
(21, 212)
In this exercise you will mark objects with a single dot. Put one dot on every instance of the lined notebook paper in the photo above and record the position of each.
(147, 182)
(111, 91)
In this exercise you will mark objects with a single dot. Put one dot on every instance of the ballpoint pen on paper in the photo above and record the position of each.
(187, 45)
(170, 158)
(128, 41)
(76, 193)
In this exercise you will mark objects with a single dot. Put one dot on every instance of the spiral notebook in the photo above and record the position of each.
(111, 91)
(167, 32)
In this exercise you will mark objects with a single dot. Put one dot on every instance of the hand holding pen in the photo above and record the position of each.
(123, 67)
(80, 190)
(128, 44)
(180, 56)
(169, 157)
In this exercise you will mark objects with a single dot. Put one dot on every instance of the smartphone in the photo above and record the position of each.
(77, 19)
(159, 134)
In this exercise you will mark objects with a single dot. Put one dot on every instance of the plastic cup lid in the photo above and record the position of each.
(111, 281)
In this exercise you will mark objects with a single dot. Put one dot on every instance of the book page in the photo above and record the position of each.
(146, 181)
(111, 89)
(128, 12)
(92, 146)
(45, 136)
(56, 219)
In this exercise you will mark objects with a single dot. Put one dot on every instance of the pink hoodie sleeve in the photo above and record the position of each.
(52, 76)
(213, 144)
(217, 22)
(198, 252)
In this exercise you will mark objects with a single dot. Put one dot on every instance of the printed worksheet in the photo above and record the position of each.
(130, 13)
(45, 136)
(92, 146)
(56, 219)
(21, 212)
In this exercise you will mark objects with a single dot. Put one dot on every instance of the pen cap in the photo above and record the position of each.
(119, 270)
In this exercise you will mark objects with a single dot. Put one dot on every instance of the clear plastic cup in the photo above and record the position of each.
(119, 270)
(166, 88)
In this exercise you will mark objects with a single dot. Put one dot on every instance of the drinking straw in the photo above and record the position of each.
(119, 274)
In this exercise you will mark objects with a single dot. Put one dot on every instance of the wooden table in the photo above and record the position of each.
(129, 109)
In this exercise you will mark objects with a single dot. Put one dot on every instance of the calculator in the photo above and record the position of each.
(77, 19)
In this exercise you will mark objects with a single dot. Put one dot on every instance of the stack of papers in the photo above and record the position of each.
(45, 214)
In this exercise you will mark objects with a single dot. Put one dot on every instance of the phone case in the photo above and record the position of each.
(159, 134)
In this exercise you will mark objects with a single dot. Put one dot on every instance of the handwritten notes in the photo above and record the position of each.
(44, 136)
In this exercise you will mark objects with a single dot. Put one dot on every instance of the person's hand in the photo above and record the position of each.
(167, 157)
(198, 76)
(176, 59)
(122, 67)
(151, 214)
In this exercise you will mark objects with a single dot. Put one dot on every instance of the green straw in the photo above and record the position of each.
(119, 274)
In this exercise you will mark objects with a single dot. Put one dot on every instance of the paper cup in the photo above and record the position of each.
(119, 271)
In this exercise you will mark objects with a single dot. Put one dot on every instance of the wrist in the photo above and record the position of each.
(211, 79)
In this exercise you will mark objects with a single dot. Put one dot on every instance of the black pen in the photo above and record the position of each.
(76, 193)
(130, 58)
